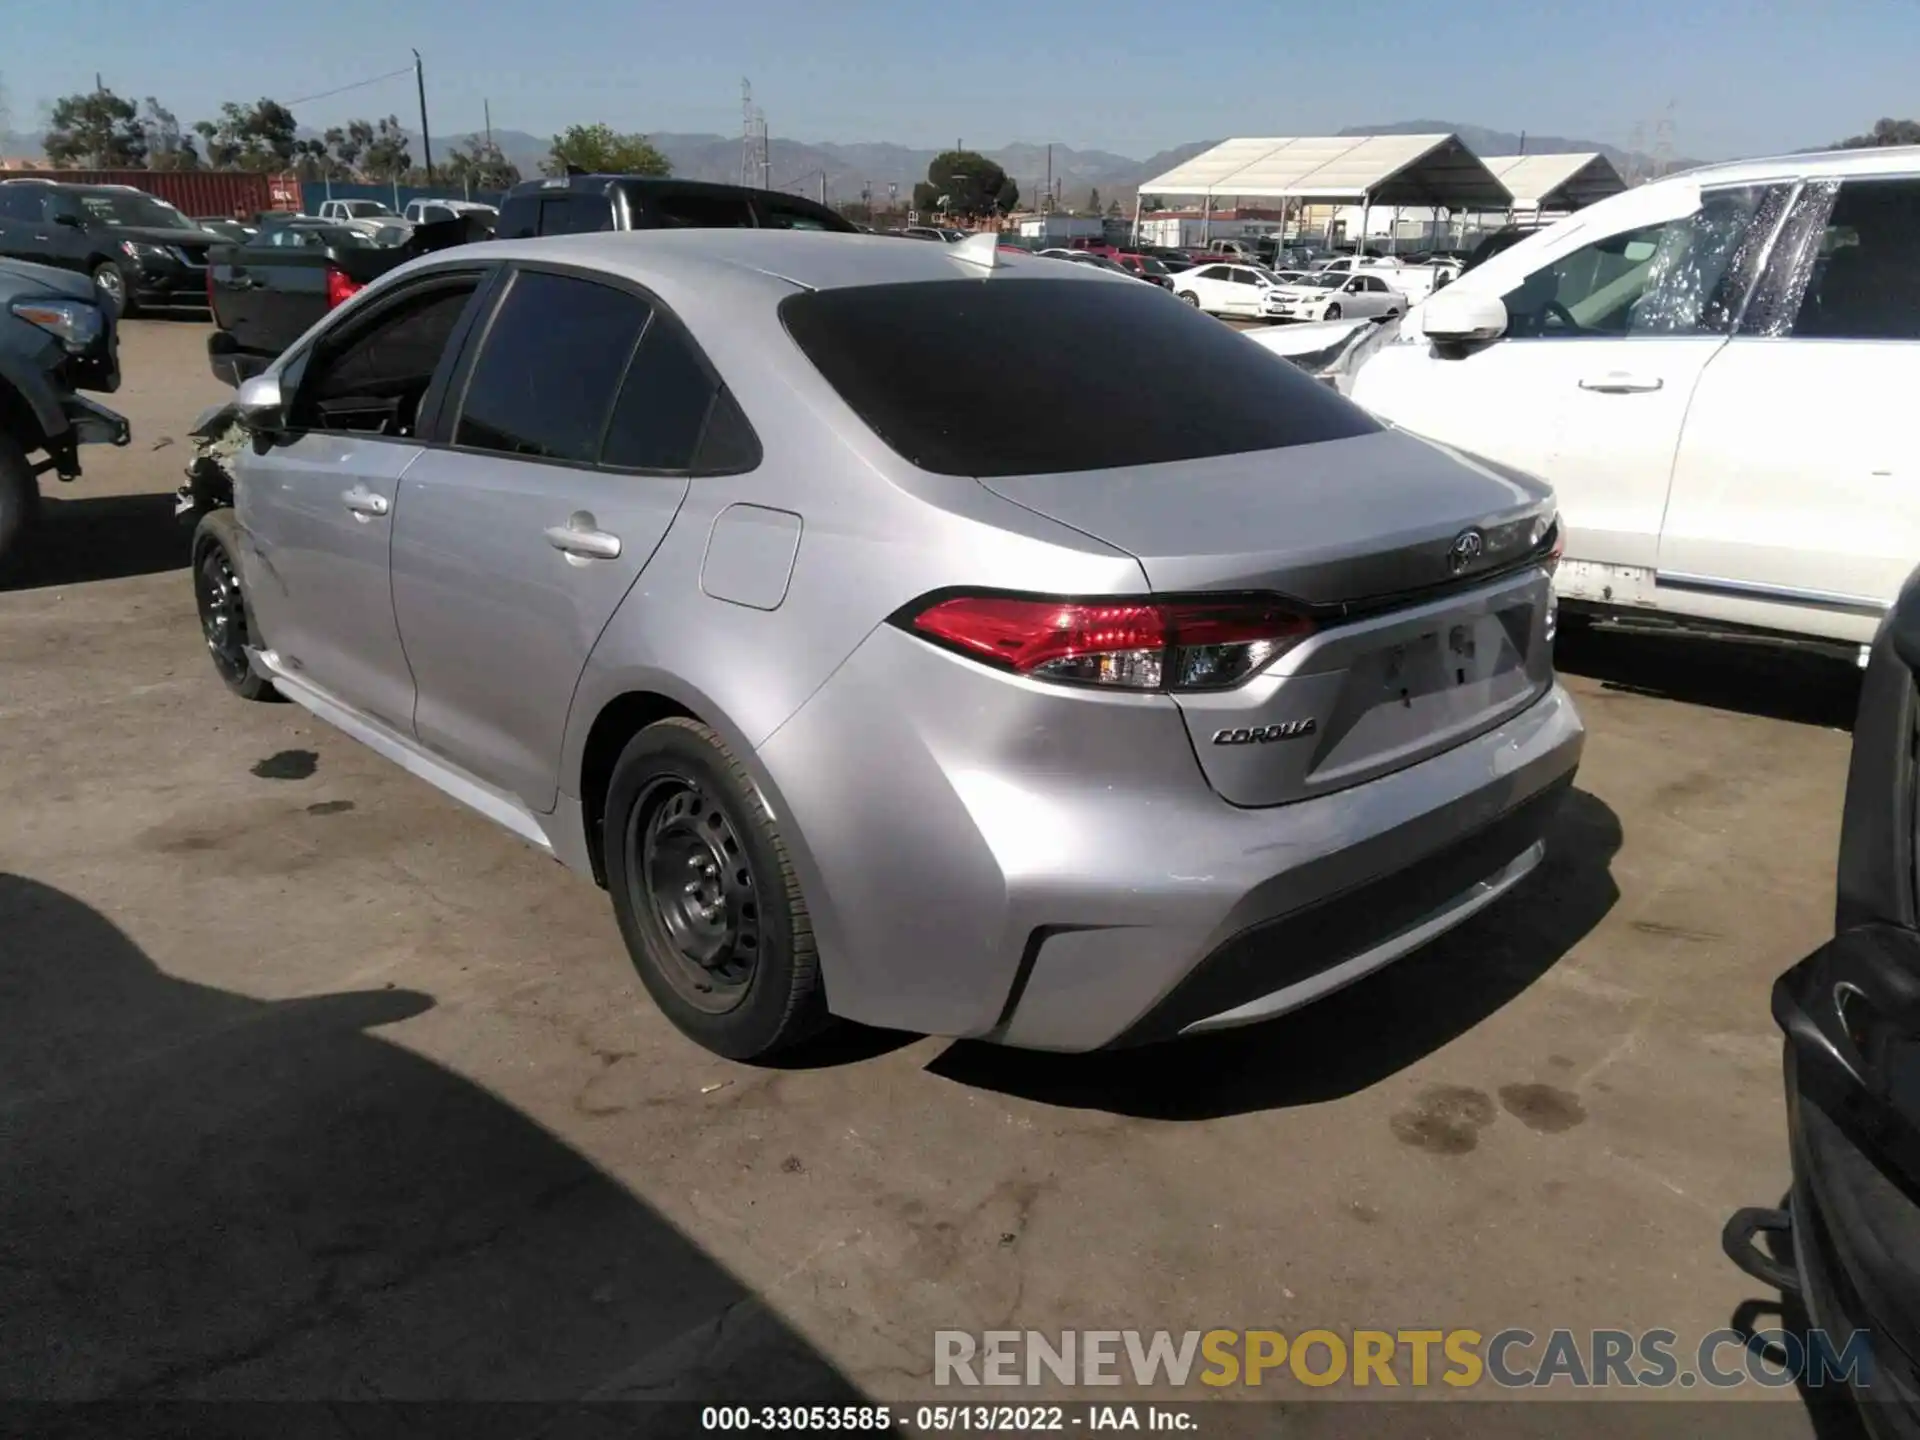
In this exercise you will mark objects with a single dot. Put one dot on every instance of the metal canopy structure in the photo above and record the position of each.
(1556, 182)
(1434, 171)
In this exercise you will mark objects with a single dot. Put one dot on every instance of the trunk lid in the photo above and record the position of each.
(1420, 647)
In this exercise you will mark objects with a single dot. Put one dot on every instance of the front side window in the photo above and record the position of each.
(373, 380)
(552, 361)
(19, 202)
(1686, 276)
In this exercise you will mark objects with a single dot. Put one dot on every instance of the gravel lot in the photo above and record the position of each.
(313, 1083)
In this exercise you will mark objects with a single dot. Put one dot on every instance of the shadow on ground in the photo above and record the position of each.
(208, 1196)
(97, 537)
(1771, 681)
(1356, 1037)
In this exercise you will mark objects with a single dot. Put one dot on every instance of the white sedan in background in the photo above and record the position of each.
(1331, 295)
(1231, 290)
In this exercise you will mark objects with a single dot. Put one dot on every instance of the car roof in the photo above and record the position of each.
(1839, 164)
(690, 259)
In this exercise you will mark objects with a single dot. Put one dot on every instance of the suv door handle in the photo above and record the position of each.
(1619, 382)
(362, 501)
(582, 539)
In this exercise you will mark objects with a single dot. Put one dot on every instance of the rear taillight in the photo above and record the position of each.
(1117, 644)
(341, 287)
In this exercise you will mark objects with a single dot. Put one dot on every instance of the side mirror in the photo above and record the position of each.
(259, 405)
(1455, 318)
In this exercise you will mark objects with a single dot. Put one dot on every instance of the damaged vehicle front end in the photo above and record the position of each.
(56, 339)
(1332, 351)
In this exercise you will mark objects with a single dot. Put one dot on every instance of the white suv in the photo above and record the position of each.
(1718, 372)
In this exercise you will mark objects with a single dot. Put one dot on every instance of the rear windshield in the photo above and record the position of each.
(1036, 377)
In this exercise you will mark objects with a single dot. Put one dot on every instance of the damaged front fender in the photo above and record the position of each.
(1332, 351)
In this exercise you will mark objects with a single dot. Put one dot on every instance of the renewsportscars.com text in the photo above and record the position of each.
(1385, 1359)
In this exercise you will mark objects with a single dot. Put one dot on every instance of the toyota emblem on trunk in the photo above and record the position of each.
(1468, 546)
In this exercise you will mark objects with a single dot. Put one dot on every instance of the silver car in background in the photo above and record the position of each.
(946, 640)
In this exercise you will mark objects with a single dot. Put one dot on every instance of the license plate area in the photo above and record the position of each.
(1452, 656)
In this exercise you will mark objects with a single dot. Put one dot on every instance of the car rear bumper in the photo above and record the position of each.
(1049, 868)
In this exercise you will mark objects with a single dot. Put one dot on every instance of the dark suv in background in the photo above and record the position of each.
(137, 250)
(576, 204)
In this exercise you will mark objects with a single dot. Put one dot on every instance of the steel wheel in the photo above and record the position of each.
(223, 613)
(1332, 313)
(686, 864)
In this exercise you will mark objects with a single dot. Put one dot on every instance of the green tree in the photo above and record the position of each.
(387, 155)
(601, 150)
(98, 130)
(1114, 212)
(260, 136)
(479, 165)
(168, 146)
(970, 183)
(1093, 202)
(1885, 132)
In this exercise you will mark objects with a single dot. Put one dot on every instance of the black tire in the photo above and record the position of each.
(747, 983)
(112, 281)
(1191, 298)
(1333, 313)
(19, 501)
(226, 617)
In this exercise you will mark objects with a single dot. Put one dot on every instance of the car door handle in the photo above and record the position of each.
(581, 538)
(1619, 382)
(364, 502)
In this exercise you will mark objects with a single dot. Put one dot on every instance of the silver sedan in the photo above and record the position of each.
(938, 638)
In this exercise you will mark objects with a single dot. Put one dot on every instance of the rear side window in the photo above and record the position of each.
(575, 214)
(663, 404)
(1863, 277)
(544, 383)
(778, 212)
(700, 211)
(1034, 376)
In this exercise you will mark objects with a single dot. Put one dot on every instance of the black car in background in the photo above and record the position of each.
(576, 204)
(1847, 1244)
(137, 250)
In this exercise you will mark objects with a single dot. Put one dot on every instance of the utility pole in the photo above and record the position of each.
(486, 109)
(426, 139)
(1050, 195)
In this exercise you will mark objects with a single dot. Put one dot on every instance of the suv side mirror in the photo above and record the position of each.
(259, 404)
(1455, 318)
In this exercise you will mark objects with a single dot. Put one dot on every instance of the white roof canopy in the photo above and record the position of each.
(1417, 170)
(1573, 180)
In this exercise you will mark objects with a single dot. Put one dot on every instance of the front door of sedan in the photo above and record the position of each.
(316, 504)
(571, 450)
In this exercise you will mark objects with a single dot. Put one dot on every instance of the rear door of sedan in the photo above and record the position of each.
(571, 436)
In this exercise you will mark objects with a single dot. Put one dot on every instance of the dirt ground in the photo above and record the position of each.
(314, 1084)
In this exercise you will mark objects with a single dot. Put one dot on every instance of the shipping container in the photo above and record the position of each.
(204, 193)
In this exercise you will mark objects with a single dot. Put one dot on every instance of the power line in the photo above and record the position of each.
(356, 85)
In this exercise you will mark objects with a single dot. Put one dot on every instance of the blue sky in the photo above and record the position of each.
(1123, 75)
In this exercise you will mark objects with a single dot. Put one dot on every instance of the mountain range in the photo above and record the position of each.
(847, 169)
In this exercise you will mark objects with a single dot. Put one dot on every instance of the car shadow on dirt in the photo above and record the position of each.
(211, 1196)
(1354, 1038)
(1771, 681)
(98, 537)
